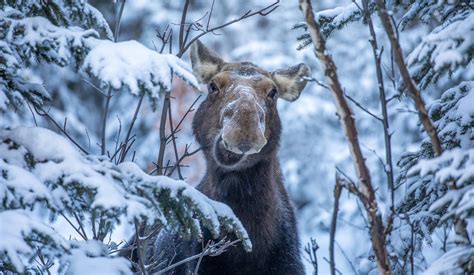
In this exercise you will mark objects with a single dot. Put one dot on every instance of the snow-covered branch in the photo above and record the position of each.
(48, 171)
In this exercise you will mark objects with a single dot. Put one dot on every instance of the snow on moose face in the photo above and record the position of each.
(238, 123)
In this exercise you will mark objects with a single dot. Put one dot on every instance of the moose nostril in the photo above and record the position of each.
(225, 144)
(244, 147)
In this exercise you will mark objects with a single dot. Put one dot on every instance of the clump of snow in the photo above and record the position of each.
(133, 65)
(37, 34)
(452, 167)
(452, 262)
(453, 115)
(446, 47)
(92, 257)
(18, 226)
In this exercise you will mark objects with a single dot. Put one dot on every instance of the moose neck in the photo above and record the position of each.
(253, 193)
(247, 185)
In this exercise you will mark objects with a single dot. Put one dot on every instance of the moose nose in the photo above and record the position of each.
(244, 147)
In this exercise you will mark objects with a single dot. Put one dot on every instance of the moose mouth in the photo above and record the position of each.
(225, 157)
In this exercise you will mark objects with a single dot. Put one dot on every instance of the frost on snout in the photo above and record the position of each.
(243, 124)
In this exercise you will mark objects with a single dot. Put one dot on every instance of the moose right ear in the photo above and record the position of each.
(205, 62)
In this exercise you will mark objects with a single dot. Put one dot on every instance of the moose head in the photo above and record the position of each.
(238, 125)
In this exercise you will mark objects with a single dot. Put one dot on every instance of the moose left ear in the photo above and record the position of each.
(291, 81)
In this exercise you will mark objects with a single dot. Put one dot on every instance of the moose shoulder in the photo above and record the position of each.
(238, 127)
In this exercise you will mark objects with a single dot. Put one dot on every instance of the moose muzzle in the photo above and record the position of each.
(243, 123)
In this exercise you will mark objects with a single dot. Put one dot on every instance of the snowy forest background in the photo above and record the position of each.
(86, 157)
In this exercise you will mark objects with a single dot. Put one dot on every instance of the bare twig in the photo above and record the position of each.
(32, 113)
(173, 140)
(214, 249)
(311, 248)
(140, 250)
(161, 152)
(83, 236)
(103, 145)
(365, 189)
(318, 82)
(332, 233)
(41, 112)
(362, 107)
(335, 269)
(196, 269)
(188, 111)
(94, 87)
(79, 222)
(129, 131)
(262, 12)
(408, 81)
(183, 156)
(183, 20)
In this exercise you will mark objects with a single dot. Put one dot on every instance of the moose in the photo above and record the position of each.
(238, 128)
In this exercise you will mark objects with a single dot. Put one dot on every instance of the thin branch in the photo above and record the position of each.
(348, 123)
(95, 87)
(79, 222)
(363, 108)
(214, 249)
(118, 19)
(41, 112)
(196, 269)
(173, 140)
(408, 81)
(335, 270)
(320, 83)
(74, 227)
(161, 151)
(183, 156)
(311, 248)
(346, 257)
(129, 131)
(183, 20)
(140, 250)
(332, 233)
(103, 144)
(262, 12)
(188, 111)
(32, 113)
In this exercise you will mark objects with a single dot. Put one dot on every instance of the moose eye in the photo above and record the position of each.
(273, 93)
(213, 87)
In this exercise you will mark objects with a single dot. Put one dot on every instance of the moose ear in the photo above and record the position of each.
(205, 62)
(292, 81)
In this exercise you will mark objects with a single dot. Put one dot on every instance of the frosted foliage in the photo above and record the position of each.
(455, 261)
(425, 10)
(37, 39)
(445, 48)
(50, 172)
(453, 115)
(138, 68)
(427, 180)
(64, 13)
(453, 167)
(441, 188)
(331, 20)
(27, 40)
(22, 231)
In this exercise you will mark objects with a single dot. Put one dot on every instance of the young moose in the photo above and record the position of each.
(238, 127)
